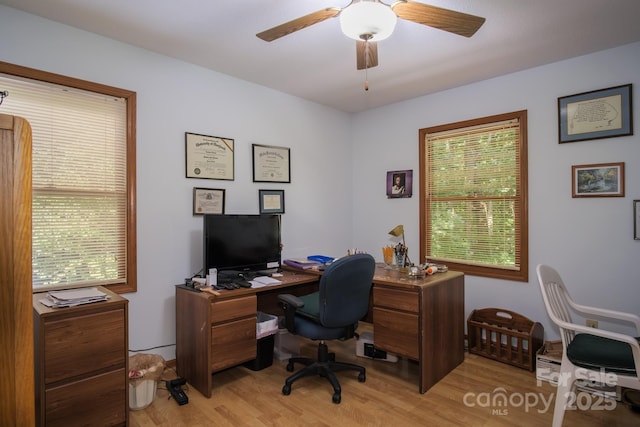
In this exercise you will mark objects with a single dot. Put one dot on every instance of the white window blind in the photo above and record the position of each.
(474, 196)
(79, 181)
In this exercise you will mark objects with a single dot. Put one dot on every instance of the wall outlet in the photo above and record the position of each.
(592, 323)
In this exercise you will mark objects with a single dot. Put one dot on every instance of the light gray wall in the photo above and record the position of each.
(589, 240)
(173, 98)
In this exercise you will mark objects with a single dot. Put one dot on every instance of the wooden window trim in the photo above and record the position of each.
(521, 275)
(131, 245)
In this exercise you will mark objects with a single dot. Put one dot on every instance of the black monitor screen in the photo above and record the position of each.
(241, 242)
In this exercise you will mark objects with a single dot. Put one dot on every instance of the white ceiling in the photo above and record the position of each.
(318, 63)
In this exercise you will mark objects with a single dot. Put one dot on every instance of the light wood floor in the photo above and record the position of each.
(389, 397)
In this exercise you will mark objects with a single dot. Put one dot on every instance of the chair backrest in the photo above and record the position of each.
(556, 300)
(344, 290)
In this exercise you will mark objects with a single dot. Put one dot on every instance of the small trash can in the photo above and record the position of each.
(266, 327)
(144, 372)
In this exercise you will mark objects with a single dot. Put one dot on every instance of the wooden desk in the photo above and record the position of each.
(217, 332)
(421, 319)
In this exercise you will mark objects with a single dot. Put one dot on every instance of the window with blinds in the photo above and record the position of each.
(474, 198)
(81, 226)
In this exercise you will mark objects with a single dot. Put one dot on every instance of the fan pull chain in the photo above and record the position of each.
(366, 79)
(366, 64)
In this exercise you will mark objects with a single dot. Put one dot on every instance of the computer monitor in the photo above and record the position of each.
(242, 243)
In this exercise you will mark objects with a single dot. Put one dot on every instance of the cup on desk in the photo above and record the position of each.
(387, 254)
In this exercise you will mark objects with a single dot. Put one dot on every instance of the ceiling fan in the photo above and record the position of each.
(369, 21)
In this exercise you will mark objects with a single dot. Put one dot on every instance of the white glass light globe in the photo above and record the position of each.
(370, 18)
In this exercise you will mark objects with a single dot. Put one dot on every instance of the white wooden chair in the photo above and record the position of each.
(595, 354)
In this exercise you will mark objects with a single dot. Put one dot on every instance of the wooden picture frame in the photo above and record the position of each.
(271, 201)
(598, 180)
(636, 219)
(271, 164)
(208, 201)
(209, 157)
(603, 113)
(399, 184)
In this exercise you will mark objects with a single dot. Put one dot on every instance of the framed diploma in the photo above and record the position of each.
(271, 201)
(209, 157)
(271, 164)
(208, 201)
(597, 114)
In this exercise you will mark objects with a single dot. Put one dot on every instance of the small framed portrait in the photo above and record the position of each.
(208, 201)
(271, 201)
(399, 184)
(599, 180)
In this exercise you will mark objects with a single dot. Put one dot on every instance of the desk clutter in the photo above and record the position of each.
(73, 297)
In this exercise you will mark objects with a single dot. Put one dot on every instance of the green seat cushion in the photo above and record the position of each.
(594, 352)
(311, 307)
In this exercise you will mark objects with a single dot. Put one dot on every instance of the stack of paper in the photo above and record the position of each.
(73, 297)
(261, 281)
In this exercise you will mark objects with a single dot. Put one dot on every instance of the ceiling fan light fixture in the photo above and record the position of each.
(371, 19)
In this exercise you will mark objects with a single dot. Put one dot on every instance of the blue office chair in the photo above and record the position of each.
(331, 313)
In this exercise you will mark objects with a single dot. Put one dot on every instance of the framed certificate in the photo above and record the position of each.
(209, 157)
(271, 164)
(603, 113)
(208, 201)
(271, 201)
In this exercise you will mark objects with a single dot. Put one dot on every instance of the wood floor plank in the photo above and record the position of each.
(389, 397)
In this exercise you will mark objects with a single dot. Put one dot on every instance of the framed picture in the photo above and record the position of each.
(399, 184)
(271, 201)
(597, 114)
(208, 201)
(599, 180)
(636, 219)
(209, 157)
(271, 164)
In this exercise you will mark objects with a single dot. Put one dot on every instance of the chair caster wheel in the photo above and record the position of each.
(362, 378)
(336, 398)
(286, 390)
(290, 367)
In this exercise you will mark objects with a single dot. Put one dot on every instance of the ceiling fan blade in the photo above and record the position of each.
(444, 19)
(298, 24)
(367, 54)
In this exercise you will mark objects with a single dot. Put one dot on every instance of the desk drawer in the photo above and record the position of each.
(233, 343)
(80, 345)
(93, 401)
(396, 332)
(235, 308)
(399, 299)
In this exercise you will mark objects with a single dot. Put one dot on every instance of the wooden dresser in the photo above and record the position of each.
(81, 363)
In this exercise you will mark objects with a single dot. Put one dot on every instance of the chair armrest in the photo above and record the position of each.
(611, 314)
(290, 304)
(291, 300)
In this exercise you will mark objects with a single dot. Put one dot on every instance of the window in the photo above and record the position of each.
(83, 139)
(474, 196)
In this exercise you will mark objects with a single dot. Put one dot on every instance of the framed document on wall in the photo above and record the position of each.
(603, 113)
(209, 157)
(271, 164)
(208, 201)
